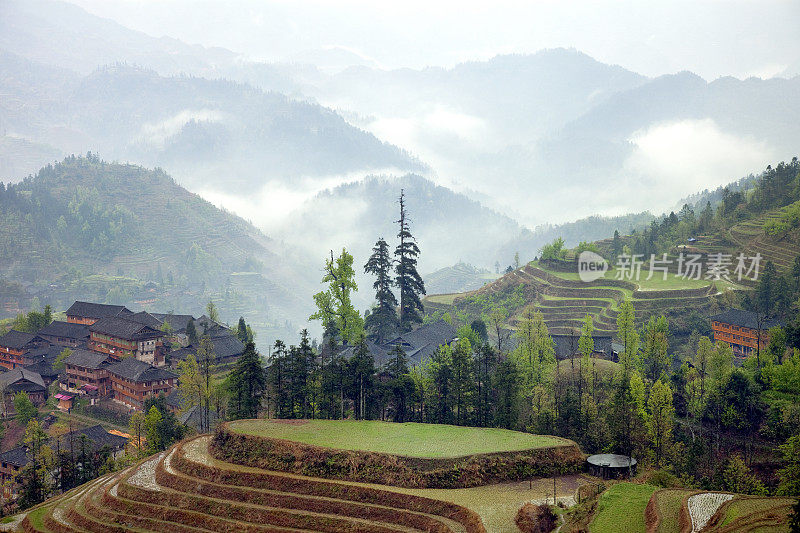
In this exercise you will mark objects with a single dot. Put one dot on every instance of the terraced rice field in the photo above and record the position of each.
(187, 490)
(564, 300)
(408, 439)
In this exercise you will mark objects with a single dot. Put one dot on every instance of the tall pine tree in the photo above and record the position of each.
(408, 280)
(381, 324)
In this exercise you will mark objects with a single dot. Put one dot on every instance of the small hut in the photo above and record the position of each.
(611, 466)
(64, 401)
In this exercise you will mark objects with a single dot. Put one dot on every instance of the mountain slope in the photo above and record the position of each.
(86, 229)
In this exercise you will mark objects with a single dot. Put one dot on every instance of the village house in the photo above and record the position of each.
(21, 380)
(133, 381)
(14, 347)
(120, 338)
(745, 331)
(87, 373)
(88, 313)
(66, 334)
(11, 463)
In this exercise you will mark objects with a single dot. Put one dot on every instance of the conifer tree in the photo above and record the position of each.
(408, 280)
(381, 324)
(248, 382)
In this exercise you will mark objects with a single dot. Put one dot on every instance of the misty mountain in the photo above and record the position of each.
(208, 133)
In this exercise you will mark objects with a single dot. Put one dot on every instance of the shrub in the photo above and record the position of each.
(536, 519)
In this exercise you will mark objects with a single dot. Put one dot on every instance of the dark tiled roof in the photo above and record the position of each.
(177, 322)
(18, 375)
(421, 343)
(66, 330)
(17, 339)
(96, 435)
(227, 346)
(439, 332)
(15, 456)
(224, 347)
(567, 345)
(131, 369)
(44, 368)
(86, 359)
(93, 310)
(145, 318)
(379, 353)
(124, 329)
(746, 319)
(174, 398)
(191, 418)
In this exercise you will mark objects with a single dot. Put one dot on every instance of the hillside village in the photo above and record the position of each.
(352, 267)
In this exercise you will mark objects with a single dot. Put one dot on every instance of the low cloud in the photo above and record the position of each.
(157, 133)
(675, 159)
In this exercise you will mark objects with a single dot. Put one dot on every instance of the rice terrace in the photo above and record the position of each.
(212, 482)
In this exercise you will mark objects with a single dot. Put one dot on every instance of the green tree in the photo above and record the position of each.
(334, 306)
(401, 385)
(660, 422)
(534, 356)
(248, 384)
(190, 384)
(36, 475)
(381, 324)
(191, 333)
(657, 360)
(408, 280)
(628, 336)
(212, 312)
(205, 367)
(152, 423)
(789, 475)
(702, 362)
(59, 363)
(738, 478)
(586, 361)
(136, 427)
(24, 408)
(554, 251)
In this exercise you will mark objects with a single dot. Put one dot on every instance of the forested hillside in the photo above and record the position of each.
(87, 229)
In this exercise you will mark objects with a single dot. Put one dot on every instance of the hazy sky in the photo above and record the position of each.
(710, 38)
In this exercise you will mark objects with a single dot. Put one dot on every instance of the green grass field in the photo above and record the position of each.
(408, 439)
(621, 508)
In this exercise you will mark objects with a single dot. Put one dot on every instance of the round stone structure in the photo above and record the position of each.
(611, 465)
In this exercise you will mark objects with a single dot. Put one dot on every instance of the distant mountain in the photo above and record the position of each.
(62, 34)
(529, 242)
(91, 230)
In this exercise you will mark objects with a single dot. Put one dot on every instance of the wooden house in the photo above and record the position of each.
(133, 381)
(121, 338)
